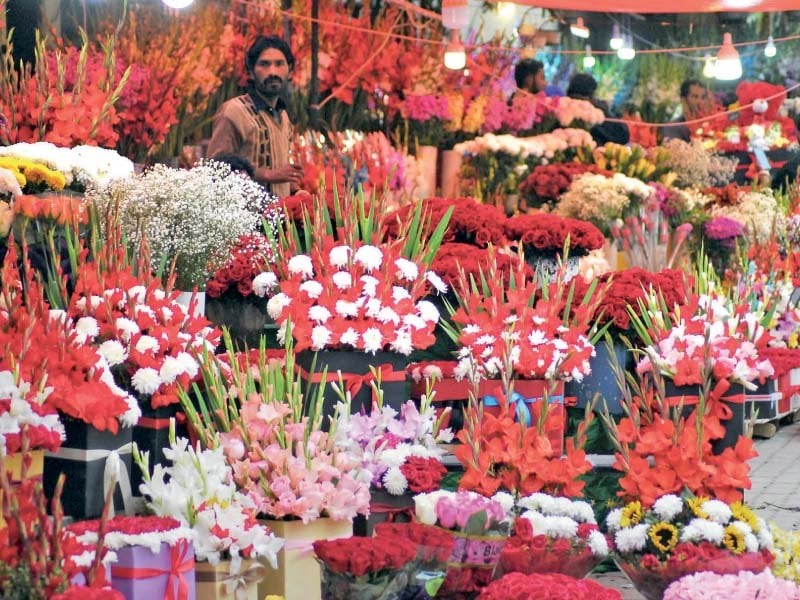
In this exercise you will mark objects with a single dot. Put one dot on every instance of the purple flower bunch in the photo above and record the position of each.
(723, 229)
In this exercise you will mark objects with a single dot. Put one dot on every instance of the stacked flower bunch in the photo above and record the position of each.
(359, 296)
(79, 167)
(250, 256)
(680, 535)
(357, 567)
(547, 235)
(572, 112)
(554, 535)
(632, 161)
(400, 450)
(526, 114)
(547, 182)
(739, 586)
(425, 115)
(601, 200)
(480, 526)
(546, 586)
(197, 489)
(33, 176)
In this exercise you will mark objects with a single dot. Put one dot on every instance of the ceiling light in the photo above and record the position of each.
(177, 3)
(578, 29)
(616, 41)
(708, 68)
(728, 66)
(454, 56)
(626, 52)
(588, 60)
(770, 50)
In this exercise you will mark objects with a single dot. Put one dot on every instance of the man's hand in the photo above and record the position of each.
(286, 174)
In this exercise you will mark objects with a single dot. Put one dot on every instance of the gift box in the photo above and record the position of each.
(762, 403)
(12, 465)
(356, 375)
(140, 574)
(298, 574)
(384, 508)
(215, 582)
(151, 434)
(84, 459)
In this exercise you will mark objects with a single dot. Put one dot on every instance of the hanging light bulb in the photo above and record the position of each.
(770, 50)
(728, 66)
(588, 60)
(626, 52)
(506, 10)
(455, 14)
(616, 41)
(454, 56)
(708, 67)
(177, 3)
(578, 29)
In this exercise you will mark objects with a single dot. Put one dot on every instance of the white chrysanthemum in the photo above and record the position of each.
(128, 327)
(582, 512)
(598, 544)
(631, 539)
(86, 328)
(764, 534)
(190, 366)
(346, 309)
(406, 269)
(170, 369)
(370, 285)
(386, 315)
(349, 337)
(613, 519)
(373, 340)
(342, 280)
(320, 337)
(668, 507)
(146, 381)
(428, 311)
(276, 304)
(300, 264)
(394, 481)
(399, 294)
(263, 283)
(394, 457)
(159, 294)
(717, 511)
(146, 343)
(402, 343)
(369, 257)
(319, 314)
(506, 500)
(137, 293)
(113, 351)
(312, 288)
(414, 321)
(555, 526)
(340, 256)
(700, 530)
(436, 281)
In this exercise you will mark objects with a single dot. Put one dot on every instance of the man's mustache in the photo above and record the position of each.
(273, 80)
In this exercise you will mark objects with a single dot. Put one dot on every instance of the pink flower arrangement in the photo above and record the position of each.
(744, 585)
(456, 511)
(424, 107)
(571, 112)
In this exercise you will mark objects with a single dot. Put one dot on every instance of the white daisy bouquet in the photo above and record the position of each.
(554, 535)
(198, 490)
(681, 535)
(357, 295)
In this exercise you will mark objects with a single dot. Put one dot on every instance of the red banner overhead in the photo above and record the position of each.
(676, 6)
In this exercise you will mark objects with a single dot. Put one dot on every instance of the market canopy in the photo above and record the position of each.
(676, 6)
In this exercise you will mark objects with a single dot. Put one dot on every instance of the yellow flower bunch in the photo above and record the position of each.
(632, 513)
(696, 505)
(786, 549)
(455, 104)
(31, 172)
(742, 512)
(633, 162)
(473, 119)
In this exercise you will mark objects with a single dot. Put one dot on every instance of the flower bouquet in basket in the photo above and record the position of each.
(678, 535)
(554, 535)
(546, 586)
(480, 527)
(198, 490)
(359, 568)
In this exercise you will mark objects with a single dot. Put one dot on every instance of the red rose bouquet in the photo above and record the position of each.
(546, 234)
(251, 255)
(550, 586)
(454, 257)
(359, 568)
(423, 474)
(547, 182)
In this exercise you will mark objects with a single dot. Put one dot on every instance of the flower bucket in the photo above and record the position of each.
(298, 574)
(577, 562)
(384, 508)
(151, 434)
(335, 586)
(245, 317)
(215, 582)
(426, 166)
(451, 173)
(547, 265)
(140, 574)
(88, 460)
(472, 563)
(602, 381)
(357, 377)
(12, 465)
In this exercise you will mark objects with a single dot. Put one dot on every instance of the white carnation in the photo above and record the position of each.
(127, 327)
(373, 340)
(170, 369)
(263, 283)
(301, 264)
(598, 544)
(87, 329)
(146, 343)
(613, 519)
(399, 294)
(428, 311)
(190, 366)
(312, 288)
(406, 269)
(394, 481)
(631, 539)
(386, 315)
(349, 337)
(342, 280)
(668, 507)
(113, 351)
(276, 304)
(370, 285)
(340, 255)
(506, 500)
(319, 314)
(369, 257)
(138, 293)
(146, 381)
(436, 281)
(320, 337)
(402, 343)
(346, 309)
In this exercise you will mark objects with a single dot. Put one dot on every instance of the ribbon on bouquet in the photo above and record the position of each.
(114, 473)
(353, 381)
(520, 404)
(237, 583)
(180, 563)
(716, 395)
(391, 512)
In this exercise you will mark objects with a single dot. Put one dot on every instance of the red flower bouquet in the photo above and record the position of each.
(453, 257)
(251, 255)
(423, 474)
(471, 223)
(551, 586)
(364, 568)
(81, 592)
(546, 234)
(547, 182)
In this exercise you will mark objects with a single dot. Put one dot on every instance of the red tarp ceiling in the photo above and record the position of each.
(675, 6)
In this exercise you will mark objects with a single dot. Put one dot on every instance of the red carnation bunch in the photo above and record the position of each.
(549, 586)
(547, 182)
(547, 233)
(250, 256)
(471, 222)
(423, 474)
(359, 557)
(454, 256)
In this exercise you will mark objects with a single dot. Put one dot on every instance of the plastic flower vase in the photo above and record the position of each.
(336, 586)
(473, 562)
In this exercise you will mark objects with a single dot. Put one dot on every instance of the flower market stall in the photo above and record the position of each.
(466, 308)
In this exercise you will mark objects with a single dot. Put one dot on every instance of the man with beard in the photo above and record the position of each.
(255, 125)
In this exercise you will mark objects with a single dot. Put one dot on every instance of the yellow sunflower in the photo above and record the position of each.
(696, 506)
(631, 514)
(741, 512)
(664, 536)
(734, 539)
